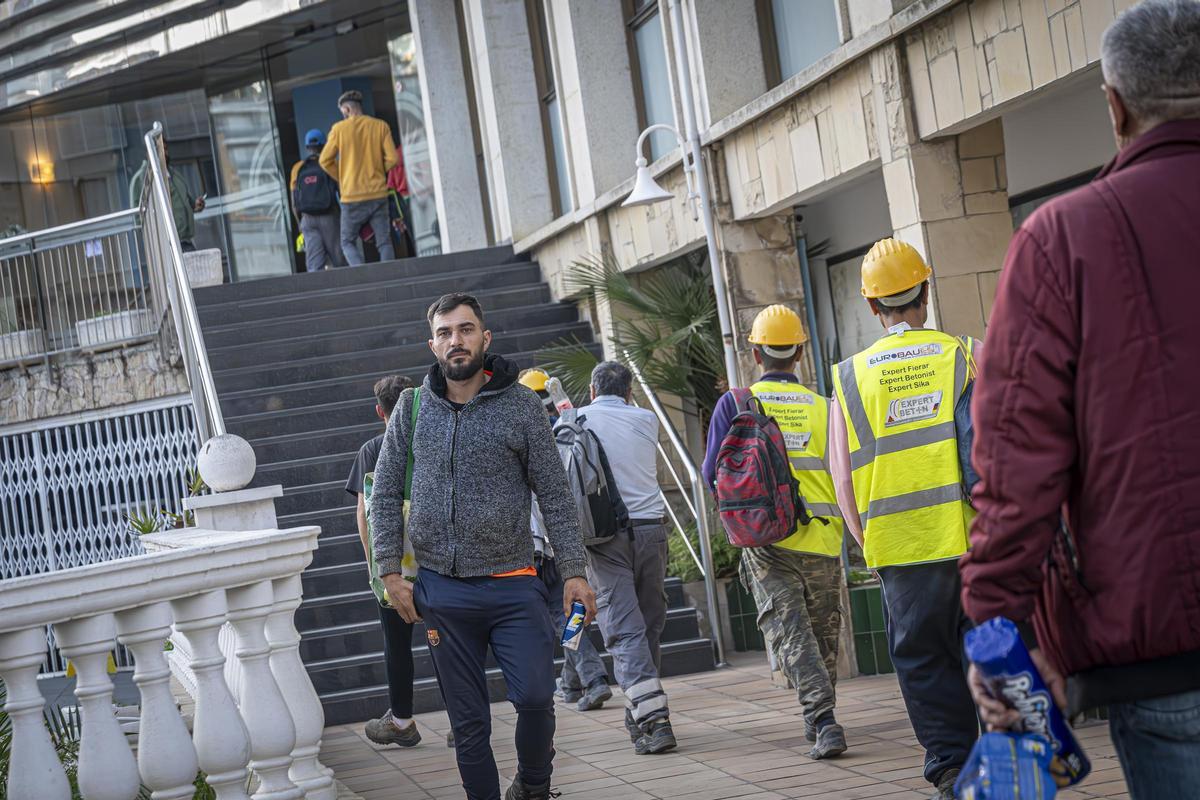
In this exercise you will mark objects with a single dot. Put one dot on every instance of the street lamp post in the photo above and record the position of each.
(646, 190)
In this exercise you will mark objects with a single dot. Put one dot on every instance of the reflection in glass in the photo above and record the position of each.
(560, 155)
(656, 83)
(253, 201)
(410, 117)
(805, 30)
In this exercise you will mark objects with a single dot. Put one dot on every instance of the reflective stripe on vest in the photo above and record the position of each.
(803, 418)
(898, 398)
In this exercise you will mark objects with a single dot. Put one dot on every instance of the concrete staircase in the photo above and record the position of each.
(295, 359)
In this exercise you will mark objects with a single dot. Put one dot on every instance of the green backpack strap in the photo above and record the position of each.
(412, 431)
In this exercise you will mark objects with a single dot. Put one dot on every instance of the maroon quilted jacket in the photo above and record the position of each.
(1087, 410)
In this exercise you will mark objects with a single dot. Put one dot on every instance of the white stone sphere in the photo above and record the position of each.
(226, 462)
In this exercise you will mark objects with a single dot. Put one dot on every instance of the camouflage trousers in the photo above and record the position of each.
(800, 614)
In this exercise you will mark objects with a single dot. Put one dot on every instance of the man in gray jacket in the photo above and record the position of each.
(480, 445)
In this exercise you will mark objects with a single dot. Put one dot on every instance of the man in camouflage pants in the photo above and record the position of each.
(796, 582)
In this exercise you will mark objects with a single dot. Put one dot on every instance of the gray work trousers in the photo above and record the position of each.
(631, 607)
(354, 216)
(321, 241)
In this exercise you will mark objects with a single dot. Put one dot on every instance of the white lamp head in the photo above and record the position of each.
(645, 189)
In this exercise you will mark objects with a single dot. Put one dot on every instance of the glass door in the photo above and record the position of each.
(253, 201)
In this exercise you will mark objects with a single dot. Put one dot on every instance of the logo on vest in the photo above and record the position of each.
(796, 440)
(911, 409)
(905, 353)
(786, 398)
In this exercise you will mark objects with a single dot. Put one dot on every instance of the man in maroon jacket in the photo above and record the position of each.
(1087, 418)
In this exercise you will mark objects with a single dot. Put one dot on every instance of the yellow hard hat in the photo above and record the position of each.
(892, 267)
(534, 379)
(777, 326)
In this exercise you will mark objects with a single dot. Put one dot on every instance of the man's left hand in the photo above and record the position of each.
(199, 204)
(998, 715)
(577, 589)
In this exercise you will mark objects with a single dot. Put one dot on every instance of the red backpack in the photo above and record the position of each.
(757, 494)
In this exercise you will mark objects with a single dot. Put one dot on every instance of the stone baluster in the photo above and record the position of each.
(34, 770)
(307, 772)
(166, 758)
(272, 734)
(107, 769)
(218, 732)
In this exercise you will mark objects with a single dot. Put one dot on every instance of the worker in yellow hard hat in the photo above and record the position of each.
(535, 380)
(796, 582)
(894, 456)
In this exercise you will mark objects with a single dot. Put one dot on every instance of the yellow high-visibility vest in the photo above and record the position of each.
(803, 418)
(898, 399)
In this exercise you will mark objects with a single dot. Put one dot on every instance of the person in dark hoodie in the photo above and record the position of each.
(481, 443)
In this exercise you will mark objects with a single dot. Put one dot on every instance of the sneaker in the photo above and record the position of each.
(631, 727)
(384, 731)
(657, 738)
(450, 739)
(831, 741)
(519, 791)
(594, 697)
(567, 694)
(945, 785)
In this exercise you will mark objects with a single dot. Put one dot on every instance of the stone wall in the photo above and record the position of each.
(87, 382)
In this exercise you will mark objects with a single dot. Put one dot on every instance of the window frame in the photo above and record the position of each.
(772, 64)
(636, 14)
(545, 78)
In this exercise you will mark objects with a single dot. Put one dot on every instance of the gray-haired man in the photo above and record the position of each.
(627, 571)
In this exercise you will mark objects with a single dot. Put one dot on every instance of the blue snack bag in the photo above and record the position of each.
(995, 647)
(1007, 766)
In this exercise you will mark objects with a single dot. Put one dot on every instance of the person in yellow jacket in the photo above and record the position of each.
(797, 582)
(894, 458)
(358, 155)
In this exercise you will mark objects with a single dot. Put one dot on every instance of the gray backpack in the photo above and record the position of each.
(602, 513)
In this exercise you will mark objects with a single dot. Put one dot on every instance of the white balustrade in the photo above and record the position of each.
(107, 769)
(190, 584)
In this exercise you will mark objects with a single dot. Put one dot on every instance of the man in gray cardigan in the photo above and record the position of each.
(480, 445)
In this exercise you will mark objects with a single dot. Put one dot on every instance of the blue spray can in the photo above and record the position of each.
(574, 630)
(995, 647)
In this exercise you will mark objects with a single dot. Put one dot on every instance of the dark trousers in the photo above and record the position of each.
(925, 629)
(398, 658)
(463, 616)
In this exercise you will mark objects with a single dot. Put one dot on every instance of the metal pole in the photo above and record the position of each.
(683, 70)
(810, 309)
(700, 498)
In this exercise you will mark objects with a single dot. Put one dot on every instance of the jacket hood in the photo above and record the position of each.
(503, 372)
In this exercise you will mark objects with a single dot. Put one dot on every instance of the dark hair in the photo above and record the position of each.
(772, 364)
(387, 391)
(915, 303)
(612, 377)
(351, 96)
(448, 302)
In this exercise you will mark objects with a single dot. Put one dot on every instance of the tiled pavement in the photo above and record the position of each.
(739, 736)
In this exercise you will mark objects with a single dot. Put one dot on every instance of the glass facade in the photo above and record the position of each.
(805, 30)
(413, 142)
(655, 83)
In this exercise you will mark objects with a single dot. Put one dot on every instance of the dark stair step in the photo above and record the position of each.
(335, 520)
(359, 705)
(367, 316)
(399, 332)
(392, 358)
(337, 550)
(309, 420)
(288, 446)
(357, 295)
(332, 495)
(424, 266)
(306, 471)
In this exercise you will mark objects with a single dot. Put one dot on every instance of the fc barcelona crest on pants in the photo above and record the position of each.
(434, 638)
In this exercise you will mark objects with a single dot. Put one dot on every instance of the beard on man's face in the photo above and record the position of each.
(456, 368)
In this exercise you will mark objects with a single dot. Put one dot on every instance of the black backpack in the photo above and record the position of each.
(314, 192)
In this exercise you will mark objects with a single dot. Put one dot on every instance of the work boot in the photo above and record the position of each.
(945, 785)
(567, 694)
(519, 791)
(831, 741)
(657, 737)
(384, 731)
(631, 726)
(595, 696)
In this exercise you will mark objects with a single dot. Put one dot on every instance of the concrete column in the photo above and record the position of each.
(948, 199)
(601, 113)
(730, 72)
(448, 125)
(514, 144)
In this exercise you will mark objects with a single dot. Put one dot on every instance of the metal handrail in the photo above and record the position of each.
(700, 508)
(206, 405)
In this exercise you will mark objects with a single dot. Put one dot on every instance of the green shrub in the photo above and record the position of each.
(681, 565)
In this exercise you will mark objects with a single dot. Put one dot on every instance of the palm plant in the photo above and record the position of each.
(666, 320)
